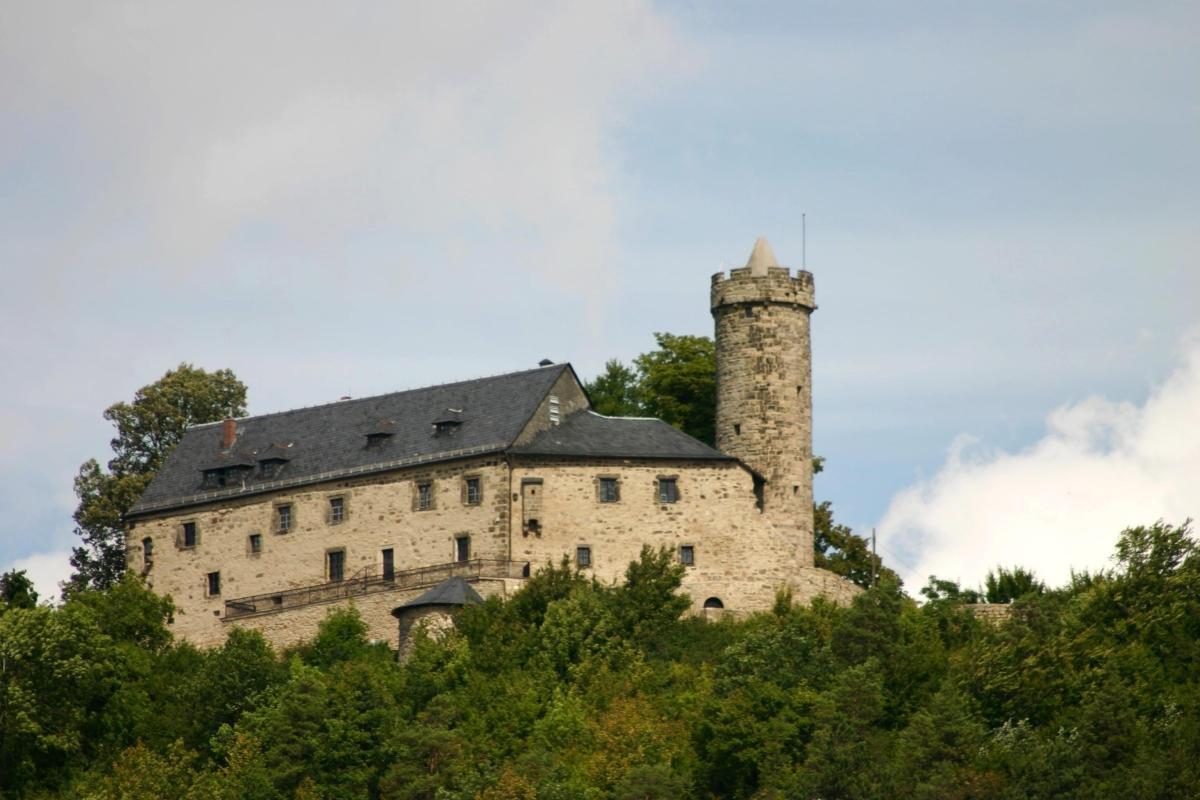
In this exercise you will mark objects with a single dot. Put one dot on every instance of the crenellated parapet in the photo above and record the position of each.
(777, 285)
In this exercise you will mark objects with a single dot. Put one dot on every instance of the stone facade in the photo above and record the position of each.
(279, 556)
(380, 514)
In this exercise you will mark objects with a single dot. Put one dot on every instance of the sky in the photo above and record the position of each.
(1001, 204)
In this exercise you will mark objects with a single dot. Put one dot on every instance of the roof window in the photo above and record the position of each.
(377, 439)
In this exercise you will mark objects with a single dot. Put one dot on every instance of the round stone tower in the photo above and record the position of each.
(764, 385)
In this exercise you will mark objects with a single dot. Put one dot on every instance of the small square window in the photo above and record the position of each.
(462, 548)
(337, 510)
(424, 496)
(283, 518)
(668, 491)
(474, 491)
(609, 490)
(687, 555)
(583, 557)
(189, 534)
(256, 543)
(336, 564)
(214, 584)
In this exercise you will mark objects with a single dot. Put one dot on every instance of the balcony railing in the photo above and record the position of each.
(373, 580)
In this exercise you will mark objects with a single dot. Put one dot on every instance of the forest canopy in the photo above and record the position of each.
(572, 689)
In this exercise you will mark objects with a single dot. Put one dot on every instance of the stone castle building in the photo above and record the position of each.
(267, 521)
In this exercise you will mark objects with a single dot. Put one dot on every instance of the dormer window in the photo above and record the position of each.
(377, 439)
(270, 467)
(445, 427)
(215, 478)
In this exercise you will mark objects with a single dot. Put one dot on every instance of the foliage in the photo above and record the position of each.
(676, 382)
(839, 550)
(147, 430)
(1005, 585)
(615, 392)
(573, 689)
(16, 591)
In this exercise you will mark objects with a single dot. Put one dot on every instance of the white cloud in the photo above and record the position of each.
(1101, 466)
(46, 570)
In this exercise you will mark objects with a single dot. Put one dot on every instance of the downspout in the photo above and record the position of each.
(508, 498)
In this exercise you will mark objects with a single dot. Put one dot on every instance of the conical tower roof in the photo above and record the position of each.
(761, 257)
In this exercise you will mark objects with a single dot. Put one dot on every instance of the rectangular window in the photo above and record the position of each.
(337, 564)
(283, 518)
(255, 543)
(214, 584)
(147, 551)
(189, 534)
(474, 492)
(609, 491)
(668, 491)
(583, 557)
(337, 510)
(462, 548)
(687, 555)
(424, 496)
(389, 564)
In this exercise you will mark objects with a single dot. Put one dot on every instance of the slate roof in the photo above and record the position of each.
(450, 592)
(590, 434)
(327, 441)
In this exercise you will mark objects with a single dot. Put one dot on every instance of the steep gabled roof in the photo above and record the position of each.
(590, 434)
(329, 441)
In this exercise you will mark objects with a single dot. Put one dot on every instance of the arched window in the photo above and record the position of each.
(713, 602)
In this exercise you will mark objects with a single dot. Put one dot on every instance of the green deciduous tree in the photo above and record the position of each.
(1003, 585)
(16, 591)
(615, 391)
(839, 550)
(147, 430)
(677, 382)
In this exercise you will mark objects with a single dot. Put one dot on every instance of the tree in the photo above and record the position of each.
(16, 591)
(614, 392)
(147, 430)
(839, 550)
(678, 383)
(1004, 586)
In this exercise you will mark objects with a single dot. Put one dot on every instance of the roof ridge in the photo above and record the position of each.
(357, 400)
(636, 419)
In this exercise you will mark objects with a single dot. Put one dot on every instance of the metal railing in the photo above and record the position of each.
(372, 580)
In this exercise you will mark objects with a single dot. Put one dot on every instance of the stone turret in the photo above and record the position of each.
(764, 385)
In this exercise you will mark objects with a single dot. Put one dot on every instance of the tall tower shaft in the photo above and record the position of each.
(764, 385)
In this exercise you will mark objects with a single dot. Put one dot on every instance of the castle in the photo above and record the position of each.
(265, 522)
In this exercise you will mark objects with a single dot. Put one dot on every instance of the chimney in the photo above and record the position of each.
(228, 433)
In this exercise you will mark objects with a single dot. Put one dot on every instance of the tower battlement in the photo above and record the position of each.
(777, 285)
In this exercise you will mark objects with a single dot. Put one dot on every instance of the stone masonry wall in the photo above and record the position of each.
(740, 557)
(764, 390)
(296, 625)
(380, 513)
